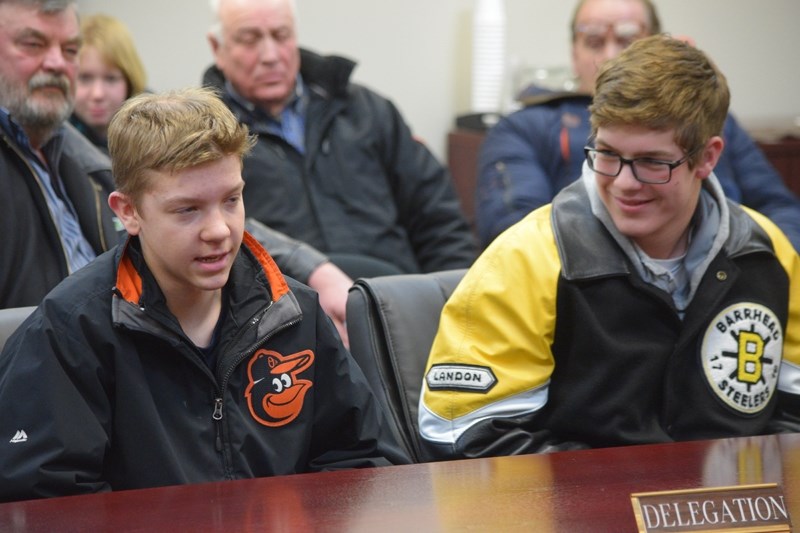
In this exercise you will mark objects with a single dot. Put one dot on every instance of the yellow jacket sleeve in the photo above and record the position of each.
(492, 354)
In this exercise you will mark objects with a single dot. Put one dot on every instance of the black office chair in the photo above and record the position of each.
(391, 322)
(10, 319)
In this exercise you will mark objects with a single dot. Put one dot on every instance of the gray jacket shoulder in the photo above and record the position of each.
(83, 152)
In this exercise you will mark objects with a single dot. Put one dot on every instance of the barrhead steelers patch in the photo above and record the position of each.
(742, 356)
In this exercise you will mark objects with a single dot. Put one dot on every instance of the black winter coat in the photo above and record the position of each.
(105, 392)
(32, 258)
(365, 186)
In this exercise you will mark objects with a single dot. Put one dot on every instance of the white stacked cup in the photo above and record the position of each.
(488, 55)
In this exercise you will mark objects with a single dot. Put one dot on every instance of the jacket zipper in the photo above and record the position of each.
(217, 416)
(217, 413)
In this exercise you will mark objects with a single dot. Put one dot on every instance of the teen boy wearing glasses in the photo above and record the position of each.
(640, 306)
(535, 152)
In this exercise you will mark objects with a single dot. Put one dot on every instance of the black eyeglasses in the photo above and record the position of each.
(645, 169)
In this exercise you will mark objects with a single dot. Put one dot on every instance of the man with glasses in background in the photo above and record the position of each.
(640, 306)
(535, 152)
(336, 169)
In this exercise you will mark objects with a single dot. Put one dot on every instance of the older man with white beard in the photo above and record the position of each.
(54, 215)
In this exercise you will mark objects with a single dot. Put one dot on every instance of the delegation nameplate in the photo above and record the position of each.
(741, 509)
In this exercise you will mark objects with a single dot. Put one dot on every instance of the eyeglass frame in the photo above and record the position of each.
(623, 38)
(671, 165)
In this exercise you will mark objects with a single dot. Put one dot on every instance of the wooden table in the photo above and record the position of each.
(568, 491)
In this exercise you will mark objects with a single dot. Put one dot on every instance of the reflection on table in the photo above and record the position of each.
(567, 491)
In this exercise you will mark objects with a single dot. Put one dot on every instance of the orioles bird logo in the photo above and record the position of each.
(275, 394)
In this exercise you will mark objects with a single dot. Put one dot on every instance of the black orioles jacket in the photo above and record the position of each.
(104, 391)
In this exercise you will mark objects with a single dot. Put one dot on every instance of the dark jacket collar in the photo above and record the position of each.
(327, 76)
(136, 284)
(535, 97)
(591, 252)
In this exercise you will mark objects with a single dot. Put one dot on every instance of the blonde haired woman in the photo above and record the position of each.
(109, 72)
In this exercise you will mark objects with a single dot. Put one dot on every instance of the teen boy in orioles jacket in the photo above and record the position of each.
(184, 355)
(640, 306)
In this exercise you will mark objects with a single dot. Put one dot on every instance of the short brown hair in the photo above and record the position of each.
(170, 132)
(662, 83)
(114, 42)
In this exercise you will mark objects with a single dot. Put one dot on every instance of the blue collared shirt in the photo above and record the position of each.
(289, 126)
(77, 248)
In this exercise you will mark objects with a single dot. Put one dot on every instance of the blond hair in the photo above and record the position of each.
(114, 42)
(170, 132)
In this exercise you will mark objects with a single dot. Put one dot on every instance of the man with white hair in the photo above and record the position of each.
(336, 166)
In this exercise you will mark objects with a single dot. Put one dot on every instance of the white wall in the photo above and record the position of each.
(417, 52)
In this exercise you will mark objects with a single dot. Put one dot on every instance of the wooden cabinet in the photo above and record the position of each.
(785, 156)
(462, 158)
